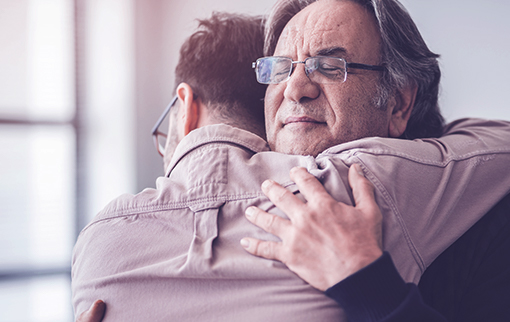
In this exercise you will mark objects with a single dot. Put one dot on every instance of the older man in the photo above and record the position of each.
(327, 82)
(179, 244)
(392, 93)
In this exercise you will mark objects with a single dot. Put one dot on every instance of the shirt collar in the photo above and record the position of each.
(214, 134)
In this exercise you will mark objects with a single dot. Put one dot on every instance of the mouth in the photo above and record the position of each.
(300, 119)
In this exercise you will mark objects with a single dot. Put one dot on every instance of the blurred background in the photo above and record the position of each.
(82, 82)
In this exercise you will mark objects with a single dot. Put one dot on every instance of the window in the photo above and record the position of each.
(38, 140)
(67, 141)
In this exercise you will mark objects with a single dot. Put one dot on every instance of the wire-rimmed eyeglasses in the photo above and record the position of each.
(320, 69)
(158, 136)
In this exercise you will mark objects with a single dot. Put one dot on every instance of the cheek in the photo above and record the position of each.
(272, 102)
(342, 103)
(355, 114)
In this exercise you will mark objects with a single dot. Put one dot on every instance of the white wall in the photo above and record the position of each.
(473, 39)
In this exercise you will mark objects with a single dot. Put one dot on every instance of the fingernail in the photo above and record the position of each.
(249, 212)
(266, 184)
(245, 243)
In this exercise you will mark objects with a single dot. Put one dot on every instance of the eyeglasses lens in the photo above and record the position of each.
(274, 70)
(330, 69)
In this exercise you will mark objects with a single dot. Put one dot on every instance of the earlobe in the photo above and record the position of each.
(189, 115)
(402, 111)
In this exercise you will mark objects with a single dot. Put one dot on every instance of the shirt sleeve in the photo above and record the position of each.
(430, 191)
(378, 293)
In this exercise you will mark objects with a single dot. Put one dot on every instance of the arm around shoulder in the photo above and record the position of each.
(377, 293)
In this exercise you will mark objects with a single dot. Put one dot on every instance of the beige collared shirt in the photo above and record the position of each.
(173, 253)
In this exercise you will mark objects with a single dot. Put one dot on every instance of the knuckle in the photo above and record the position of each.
(262, 249)
(323, 202)
(268, 250)
(255, 246)
(278, 195)
(269, 221)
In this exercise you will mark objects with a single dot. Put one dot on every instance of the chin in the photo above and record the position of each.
(297, 149)
(301, 143)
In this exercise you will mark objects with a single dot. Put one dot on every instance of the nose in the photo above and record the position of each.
(299, 87)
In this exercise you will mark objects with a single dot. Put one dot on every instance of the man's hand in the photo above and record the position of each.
(94, 314)
(324, 241)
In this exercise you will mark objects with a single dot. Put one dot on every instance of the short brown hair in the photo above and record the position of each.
(216, 62)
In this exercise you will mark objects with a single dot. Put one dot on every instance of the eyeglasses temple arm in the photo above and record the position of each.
(366, 67)
(162, 117)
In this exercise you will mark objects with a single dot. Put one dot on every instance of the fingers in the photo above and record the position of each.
(269, 222)
(308, 185)
(327, 240)
(94, 314)
(362, 189)
(264, 249)
(281, 197)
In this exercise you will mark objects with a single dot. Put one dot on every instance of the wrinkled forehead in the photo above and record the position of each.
(331, 24)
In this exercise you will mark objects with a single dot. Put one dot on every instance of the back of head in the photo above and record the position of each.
(216, 62)
(404, 53)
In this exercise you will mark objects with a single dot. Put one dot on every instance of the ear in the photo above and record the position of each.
(190, 112)
(401, 112)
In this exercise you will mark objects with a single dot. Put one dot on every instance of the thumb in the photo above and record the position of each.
(94, 314)
(364, 199)
(362, 189)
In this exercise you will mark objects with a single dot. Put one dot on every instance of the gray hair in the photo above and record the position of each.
(404, 53)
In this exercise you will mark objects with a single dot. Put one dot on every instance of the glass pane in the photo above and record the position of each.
(42, 299)
(36, 196)
(37, 59)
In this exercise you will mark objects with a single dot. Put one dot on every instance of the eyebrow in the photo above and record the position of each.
(333, 51)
